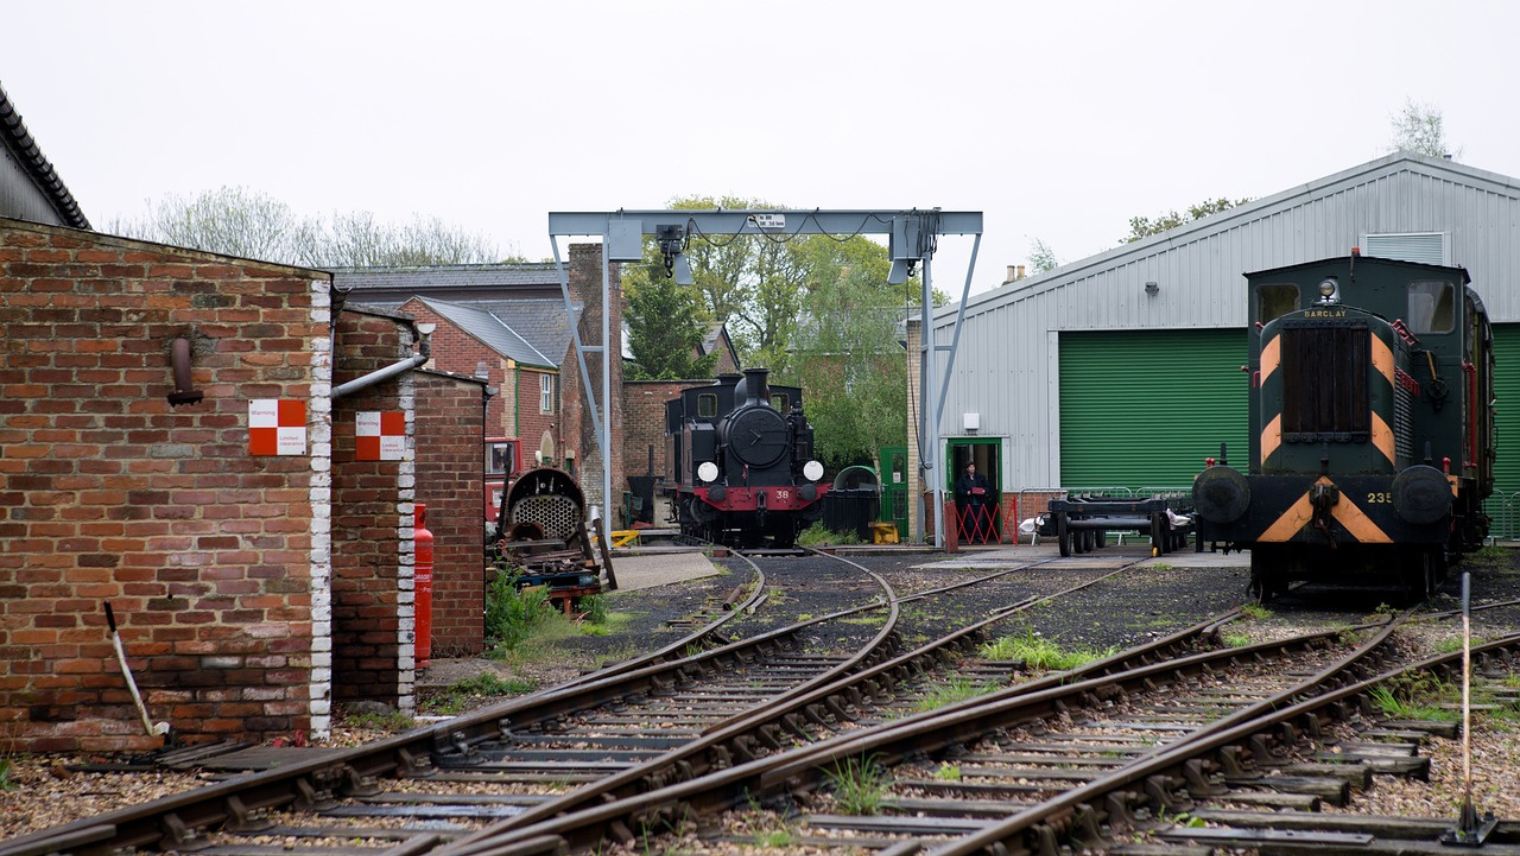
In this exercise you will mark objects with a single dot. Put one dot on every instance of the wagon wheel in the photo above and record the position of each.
(1100, 538)
(1089, 540)
(1063, 535)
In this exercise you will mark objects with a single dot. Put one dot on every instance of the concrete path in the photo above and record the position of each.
(641, 572)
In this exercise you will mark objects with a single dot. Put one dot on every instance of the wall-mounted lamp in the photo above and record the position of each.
(1152, 289)
(179, 357)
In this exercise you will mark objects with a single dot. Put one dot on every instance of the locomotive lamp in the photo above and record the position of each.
(812, 470)
(1327, 290)
(707, 471)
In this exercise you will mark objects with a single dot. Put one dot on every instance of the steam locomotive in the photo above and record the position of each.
(739, 462)
(1372, 427)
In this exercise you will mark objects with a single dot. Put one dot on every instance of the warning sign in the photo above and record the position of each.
(276, 427)
(380, 437)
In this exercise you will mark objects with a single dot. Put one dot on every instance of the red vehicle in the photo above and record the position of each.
(503, 464)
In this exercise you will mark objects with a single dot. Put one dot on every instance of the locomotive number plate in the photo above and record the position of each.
(783, 496)
(1379, 497)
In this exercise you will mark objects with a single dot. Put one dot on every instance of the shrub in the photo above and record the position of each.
(513, 614)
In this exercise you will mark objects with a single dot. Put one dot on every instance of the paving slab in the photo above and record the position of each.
(649, 571)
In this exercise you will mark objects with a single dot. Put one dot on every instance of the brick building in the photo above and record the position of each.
(252, 585)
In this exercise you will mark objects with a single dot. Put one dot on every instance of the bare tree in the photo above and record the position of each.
(1419, 128)
(251, 224)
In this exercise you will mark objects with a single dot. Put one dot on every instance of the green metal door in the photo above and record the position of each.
(1142, 409)
(1507, 410)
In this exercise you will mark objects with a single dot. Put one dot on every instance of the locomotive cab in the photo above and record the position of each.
(1370, 383)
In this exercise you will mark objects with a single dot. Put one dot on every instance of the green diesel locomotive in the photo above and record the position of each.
(1372, 427)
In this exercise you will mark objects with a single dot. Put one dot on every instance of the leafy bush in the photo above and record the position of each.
(819, 535)
(512, 614)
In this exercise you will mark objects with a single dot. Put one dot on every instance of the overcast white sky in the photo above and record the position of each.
(1060, 121)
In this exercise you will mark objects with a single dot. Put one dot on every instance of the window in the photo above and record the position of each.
(546, 393)
(781, 402)
(1431, 306)
(501, 457)
(707, 406)
(1275, 301)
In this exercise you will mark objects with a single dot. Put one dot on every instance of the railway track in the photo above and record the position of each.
(635, 726)
(461, 790)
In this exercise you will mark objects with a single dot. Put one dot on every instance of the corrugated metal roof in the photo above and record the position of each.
(19, 143)
(491, 330)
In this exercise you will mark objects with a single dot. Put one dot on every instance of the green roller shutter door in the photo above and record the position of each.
(1144, 408)
(1507, 411)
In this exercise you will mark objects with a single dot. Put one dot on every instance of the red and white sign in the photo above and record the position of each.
(276, 427)
(380, 436)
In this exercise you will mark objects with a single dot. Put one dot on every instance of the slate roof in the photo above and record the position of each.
(512, 274)
(540, 321)
(492, 330)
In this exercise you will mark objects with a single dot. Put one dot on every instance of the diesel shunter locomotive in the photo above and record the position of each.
(739, 461)
(1371, 409)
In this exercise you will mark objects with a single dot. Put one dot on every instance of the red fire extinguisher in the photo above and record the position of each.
(423, 580)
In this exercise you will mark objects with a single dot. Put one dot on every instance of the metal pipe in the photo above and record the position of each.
(424, 350)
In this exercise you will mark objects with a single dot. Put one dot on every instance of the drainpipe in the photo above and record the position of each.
(424, 350)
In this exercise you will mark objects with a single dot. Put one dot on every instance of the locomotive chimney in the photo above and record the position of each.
(754, 388)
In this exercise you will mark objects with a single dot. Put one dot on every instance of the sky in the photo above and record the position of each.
(1058, 121)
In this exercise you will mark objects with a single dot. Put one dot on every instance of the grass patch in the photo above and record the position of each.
(5, 775)
(393, 721)
(514, 615)
(1236, 640)
(948, 772)
(819, 535)
(1416, 697)
(859, 786)
(1161, 566)
(1255, 611)
(957, 690)
(460, 694)
(1040, 653)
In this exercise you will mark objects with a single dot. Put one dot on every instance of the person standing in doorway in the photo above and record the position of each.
(971, 495)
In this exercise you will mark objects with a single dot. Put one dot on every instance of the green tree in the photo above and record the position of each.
(250, 224)
(1144, 227)
(1419, 128)
(1042, 259)
(665, 330)
(847, 353)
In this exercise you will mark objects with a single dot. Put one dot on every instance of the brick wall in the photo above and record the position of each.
(372, 535)
(450, 474)
(458, 352)
(107, 493)
(644, 426)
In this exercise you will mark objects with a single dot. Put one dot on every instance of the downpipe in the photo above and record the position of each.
(424, 351)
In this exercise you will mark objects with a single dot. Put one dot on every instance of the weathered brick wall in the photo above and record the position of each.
(450, 474)
(372, 506)
(644, 427)
(458, 352)
(584, 278)
(533, 424)
(107, 493)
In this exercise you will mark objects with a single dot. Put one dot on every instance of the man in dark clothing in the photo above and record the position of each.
(971, 496)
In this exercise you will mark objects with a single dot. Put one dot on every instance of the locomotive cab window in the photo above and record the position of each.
(1432, 307)
(707, 406)
(781, 403)
(1275, 301)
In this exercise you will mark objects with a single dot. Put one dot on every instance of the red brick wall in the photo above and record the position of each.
(371, 522)
(458, 352)
(109, 494)
(450, 475)
(644, 426)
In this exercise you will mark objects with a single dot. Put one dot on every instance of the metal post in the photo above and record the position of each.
(930, 396)
(606, 441)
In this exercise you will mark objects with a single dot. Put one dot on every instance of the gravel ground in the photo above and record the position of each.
(1151, 600)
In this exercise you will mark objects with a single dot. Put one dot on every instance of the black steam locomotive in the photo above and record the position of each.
(739, 462)
(1372, 427)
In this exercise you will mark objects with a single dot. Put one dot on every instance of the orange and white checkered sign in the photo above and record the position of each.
(380, 437)
(276, 427)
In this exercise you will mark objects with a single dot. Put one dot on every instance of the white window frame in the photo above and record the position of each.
(546, 393)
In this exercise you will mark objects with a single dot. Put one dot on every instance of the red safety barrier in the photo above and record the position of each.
(977, 524)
